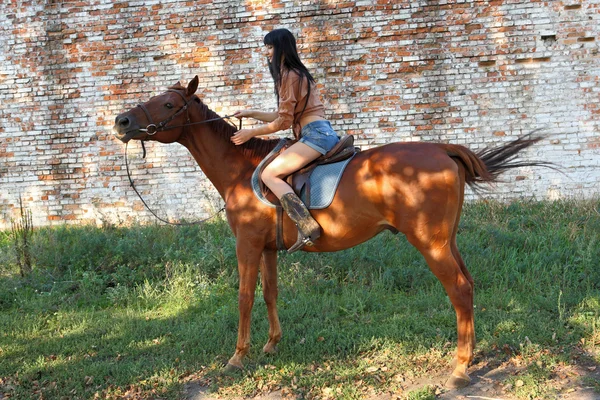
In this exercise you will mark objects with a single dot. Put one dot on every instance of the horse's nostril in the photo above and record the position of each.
(124, 122)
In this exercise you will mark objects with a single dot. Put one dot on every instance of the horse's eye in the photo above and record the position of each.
(169, 105)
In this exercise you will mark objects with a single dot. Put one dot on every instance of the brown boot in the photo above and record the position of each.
(308, 229)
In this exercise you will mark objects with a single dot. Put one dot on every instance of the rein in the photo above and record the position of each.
(149, 209)
(152, 129)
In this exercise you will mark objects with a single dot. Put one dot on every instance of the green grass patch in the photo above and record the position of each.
(113, 312)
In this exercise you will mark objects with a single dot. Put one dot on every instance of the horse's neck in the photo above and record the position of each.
(217, 156)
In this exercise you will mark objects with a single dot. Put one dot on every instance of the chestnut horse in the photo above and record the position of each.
(413, 188)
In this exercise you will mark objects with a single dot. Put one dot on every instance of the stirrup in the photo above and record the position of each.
(300, 243)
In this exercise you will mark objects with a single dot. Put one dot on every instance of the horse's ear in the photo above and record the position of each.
(192, 86)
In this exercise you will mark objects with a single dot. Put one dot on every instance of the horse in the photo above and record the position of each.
(413, 188)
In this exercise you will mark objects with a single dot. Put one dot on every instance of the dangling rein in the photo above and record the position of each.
(152, 129)
(146, 205)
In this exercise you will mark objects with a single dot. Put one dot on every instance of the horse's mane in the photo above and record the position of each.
(254, 149)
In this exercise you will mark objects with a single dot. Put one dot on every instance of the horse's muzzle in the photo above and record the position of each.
(126, 128)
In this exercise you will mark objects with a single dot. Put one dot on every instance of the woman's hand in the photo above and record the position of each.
(244, 114)
(242, 136)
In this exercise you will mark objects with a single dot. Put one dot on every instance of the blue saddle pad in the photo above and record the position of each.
(324, 181)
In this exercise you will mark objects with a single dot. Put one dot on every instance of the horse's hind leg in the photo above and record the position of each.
(447, 269)
(461, 200)
(453, 382)
(455, 252)
(463, 268)
(268, 273)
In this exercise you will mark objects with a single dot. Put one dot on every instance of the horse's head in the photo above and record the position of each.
(153, 119)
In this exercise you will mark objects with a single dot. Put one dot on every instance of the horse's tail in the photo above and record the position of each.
(487, 165)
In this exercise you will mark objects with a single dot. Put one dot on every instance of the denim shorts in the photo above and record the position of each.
(319, 135)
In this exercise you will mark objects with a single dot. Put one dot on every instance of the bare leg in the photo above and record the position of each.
(268, 273)
(291, 160)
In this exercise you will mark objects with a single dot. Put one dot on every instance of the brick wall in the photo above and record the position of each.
(469, 72)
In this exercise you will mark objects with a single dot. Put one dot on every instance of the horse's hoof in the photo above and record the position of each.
(270, 348)
(458, 382)
(232, 369)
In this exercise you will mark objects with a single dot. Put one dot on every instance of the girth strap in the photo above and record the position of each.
(279, 229)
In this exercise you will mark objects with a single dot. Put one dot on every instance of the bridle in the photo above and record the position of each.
(151, 129)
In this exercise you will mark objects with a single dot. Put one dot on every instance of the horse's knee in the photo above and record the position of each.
(245, 300)
(270, 296)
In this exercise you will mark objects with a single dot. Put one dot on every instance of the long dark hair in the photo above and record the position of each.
(284, 46)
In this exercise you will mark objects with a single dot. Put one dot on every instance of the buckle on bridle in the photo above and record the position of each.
(150, 129)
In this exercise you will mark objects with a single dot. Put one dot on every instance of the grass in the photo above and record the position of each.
(136, 312)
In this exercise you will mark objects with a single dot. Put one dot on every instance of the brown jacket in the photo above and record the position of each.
(292, 97)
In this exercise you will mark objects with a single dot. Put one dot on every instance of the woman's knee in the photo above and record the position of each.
(269, 175)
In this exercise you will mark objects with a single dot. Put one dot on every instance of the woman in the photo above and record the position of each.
(299, 107)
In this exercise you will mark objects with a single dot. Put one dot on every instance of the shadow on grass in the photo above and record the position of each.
(327, 338)
(351, 318)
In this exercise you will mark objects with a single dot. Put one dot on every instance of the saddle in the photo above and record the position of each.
(300, 180)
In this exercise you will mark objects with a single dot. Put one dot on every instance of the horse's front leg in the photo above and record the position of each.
(268, 274)
(248, 256)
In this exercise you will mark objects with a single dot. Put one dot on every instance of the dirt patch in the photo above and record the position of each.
(491, 380)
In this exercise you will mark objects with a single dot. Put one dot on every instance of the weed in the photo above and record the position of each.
(22, 231)
(426, 393)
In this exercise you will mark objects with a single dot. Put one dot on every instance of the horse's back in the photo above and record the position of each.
(402, 173)
(403, 157)
(389, 187)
